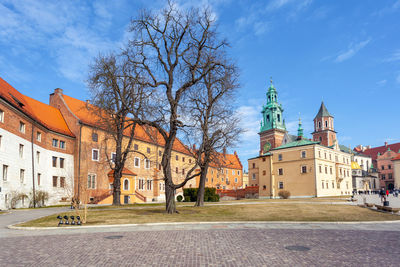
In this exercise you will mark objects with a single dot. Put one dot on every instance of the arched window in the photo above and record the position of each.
(267, 118)
(279, 118)
(326, 123)
(126, 184)
(320, 138)
(319, 124)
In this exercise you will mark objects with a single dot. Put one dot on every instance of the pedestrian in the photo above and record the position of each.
(387, 193)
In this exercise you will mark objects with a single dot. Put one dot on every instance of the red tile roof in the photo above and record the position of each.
(227, 161)
(124, 171)
(84, 112)
(373, 152)
(48, 116)
(396, 158)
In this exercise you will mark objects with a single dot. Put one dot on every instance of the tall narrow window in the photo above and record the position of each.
(280, 157)
(55, 178)
(22, 127)
(95, 154)
(38, 178)
(62, 182)
(177, 157)
(126, 184)
(303, 169)
(148, 150)
(177, 170)
(21, 151)
(38, 157)
(5, 171)
(62, 144)
(55, 142)
(1, 116)
(22, 175)
(147, 164)
(280, 171)
(136, 147)
(92, 181)
(95, 137)
(280, 185)
(54, 161)
(136, 162)
(279, 117)
(159, 153)
(38, 136)
(1, 140)
(62, 163)
(303, 154)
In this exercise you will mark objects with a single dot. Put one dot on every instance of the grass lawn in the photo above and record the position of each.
(262, 212)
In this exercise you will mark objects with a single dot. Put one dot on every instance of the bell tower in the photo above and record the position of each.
(272, 128)
(324, 132)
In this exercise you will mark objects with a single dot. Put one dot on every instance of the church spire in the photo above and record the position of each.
(272, 111)
(300, 131)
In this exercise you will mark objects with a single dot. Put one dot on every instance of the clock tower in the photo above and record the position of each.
(272, 128)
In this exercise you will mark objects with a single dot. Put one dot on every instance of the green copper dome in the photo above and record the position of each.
(272, 112)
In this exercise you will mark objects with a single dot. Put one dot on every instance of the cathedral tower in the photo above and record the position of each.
(273, 127)
(324, 132)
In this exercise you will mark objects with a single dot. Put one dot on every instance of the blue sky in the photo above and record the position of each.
(346, 53)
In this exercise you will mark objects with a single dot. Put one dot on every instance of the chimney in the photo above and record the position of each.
(386, 144)
(58, 91)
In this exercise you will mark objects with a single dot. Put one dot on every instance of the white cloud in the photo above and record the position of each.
(381, 82)
(394, 57)
(351, 51)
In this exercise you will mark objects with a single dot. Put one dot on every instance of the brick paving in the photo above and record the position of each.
(212, 247)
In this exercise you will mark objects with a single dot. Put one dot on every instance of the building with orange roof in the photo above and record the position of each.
(36, 151)
(396, 171)
(224, 172)
(94, 149)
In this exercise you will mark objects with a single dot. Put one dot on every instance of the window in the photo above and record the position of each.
(190, 160)
(303, 169)
(327, 187)
(55, 181)
(331, 171)
(264, 172)
(22, 175)
(183, 171)
(253, 176)
(159, 167)
(330, 156)
(126, 184)
(303, 154)
(326, 169)
(383, 167)
(136, 147)
(147, 163)
(95, 154)
(21, 150)
(280, 185)
(136, 162)
(54, 161)
(148, 150)
(390, 176)
(177, 170)
(383, 177)
(319, 125)
(280, 157)
(183, 159)
(141, 184)
(254, 165)
(1, 116)
(91, 181)
(38, 157)
(322, 184)
(280, 171)
(62, 144)
(95, 137)
(238, 172)
(236, 179)
(62, 163)
(149, 184)
(263, 159)
(38, 136)
(320, 169)
(162, 186)
(319, 153)
(38, 178)
(55, 143)
(389, 167)
(159, 153)
(233, 172)
(326, 123)
(177, 157)
(62, 182)
(1, 138)
(5, 171)
(222, 179)
(325, 155)
(22, 127)
(320, 139)
(113, 156)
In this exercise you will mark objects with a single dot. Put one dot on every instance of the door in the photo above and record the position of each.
(126, 199)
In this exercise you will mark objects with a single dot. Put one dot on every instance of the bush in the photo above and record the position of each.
(17, 197)
(210, 194)
(179, 198)
(41, 198)
(284, 194)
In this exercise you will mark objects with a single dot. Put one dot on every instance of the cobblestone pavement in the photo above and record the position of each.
(215, 247)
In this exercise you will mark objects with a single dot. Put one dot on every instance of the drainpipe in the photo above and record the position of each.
(79, 162)
(33, 169)
(272, 180)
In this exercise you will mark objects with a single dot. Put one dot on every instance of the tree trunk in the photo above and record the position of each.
(170, 199)
(117, 188)
(202, 185)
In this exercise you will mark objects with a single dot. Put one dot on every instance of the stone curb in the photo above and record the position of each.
(193, 223)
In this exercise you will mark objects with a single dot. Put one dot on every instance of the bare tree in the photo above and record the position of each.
(212, 109)
(172, 51)
(117, 98)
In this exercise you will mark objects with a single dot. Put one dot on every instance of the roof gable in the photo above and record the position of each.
(323, 112)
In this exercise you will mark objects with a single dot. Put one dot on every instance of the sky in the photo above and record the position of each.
(344, 52)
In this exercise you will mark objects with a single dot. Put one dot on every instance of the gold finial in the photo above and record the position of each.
(270, 79)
